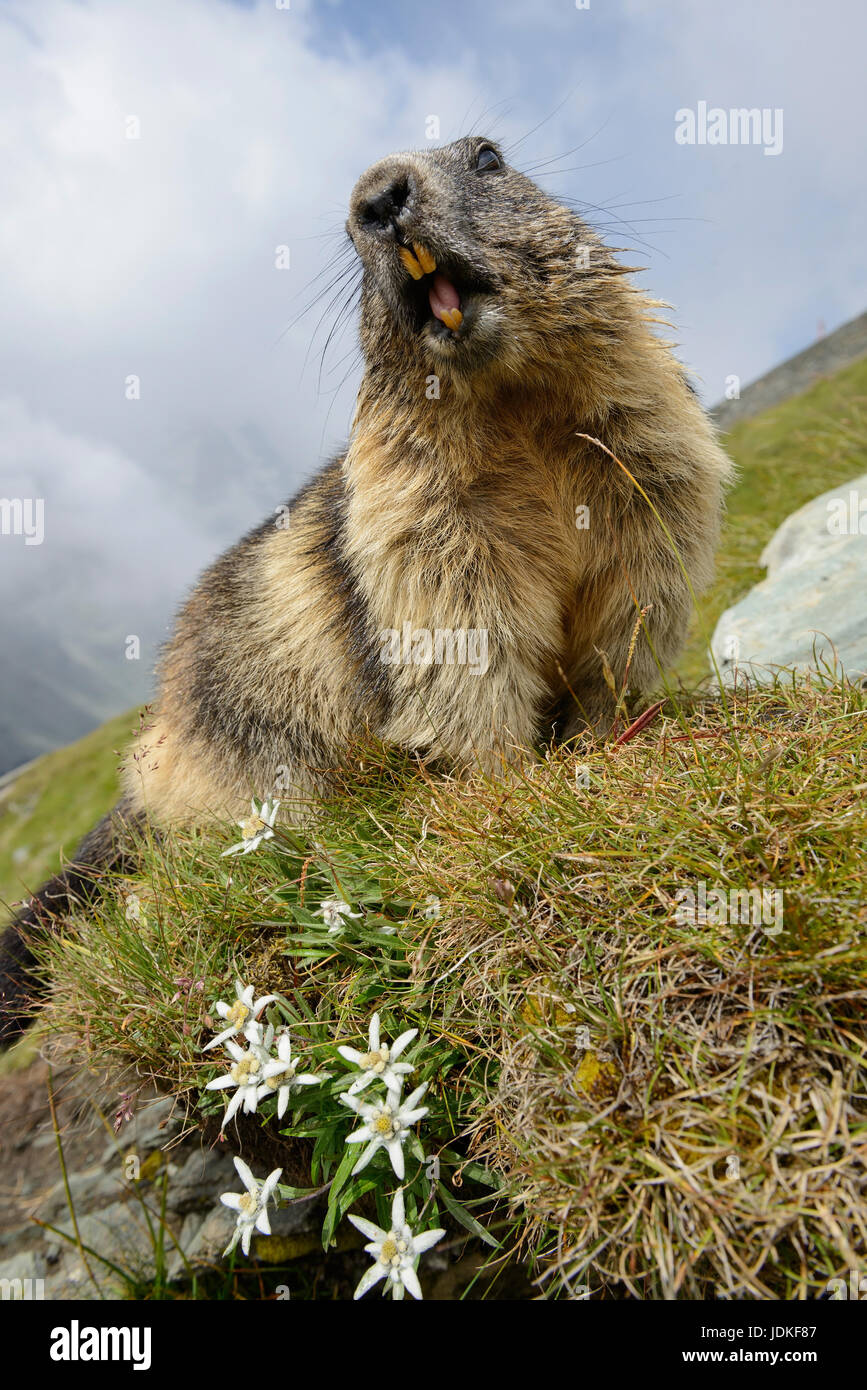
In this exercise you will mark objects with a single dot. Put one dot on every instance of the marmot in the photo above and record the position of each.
(449, 581)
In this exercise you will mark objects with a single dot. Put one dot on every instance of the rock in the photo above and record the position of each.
(72, 1282)
(177, 1262)
(201, 1179)
(212, 1237)
(21, 1276)
(813, 604)
(119, 1234)
(90, 1185)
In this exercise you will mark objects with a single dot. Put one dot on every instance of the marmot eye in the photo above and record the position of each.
(488, 159)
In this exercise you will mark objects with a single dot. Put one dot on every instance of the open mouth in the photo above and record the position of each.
(438, 300)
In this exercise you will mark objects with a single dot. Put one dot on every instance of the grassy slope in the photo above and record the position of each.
(693, 1045)
(45, 811)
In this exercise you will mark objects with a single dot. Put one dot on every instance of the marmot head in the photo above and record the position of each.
(469, 265)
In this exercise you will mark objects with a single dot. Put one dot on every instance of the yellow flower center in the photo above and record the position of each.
(247, 1204)
(246, 1067)
(389, 1253)
(252, 826)
(283, 1078)
(238, 1014)
(374, 1061)
(384, 1123)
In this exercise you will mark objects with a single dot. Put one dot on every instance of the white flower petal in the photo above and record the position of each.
(395, 1153)
(403, 1041)
(233, 1107)
(423, 1242)
(220, 1083)
(259, 1005)
(365, 1158)
(369, 1278)
(398, 1211)
(243, 1171)
(415, 1096)
(409, 1279)
(359, 1136)
(409, 1117)
(367, 1228)
(269, 1184)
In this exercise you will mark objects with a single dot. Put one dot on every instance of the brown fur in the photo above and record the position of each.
(456, 512)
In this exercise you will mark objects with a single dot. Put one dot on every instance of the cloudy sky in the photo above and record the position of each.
(153, 257)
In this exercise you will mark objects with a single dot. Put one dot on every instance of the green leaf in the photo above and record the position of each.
(460, 1214)
(341, 1178)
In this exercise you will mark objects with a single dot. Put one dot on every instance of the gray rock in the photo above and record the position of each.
(813, 605)
(22, 1276)
(179, 1259)
(72, 1281)
(212, 1237)
(200, 1180)
(91, 1186)
(119, 1234)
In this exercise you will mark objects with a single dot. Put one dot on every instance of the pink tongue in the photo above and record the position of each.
(443, 296)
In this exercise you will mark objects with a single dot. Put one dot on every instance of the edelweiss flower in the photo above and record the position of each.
(333, 910)
(395, 1252)
(386, 1126)
(258, 827)
(251, 1206)
(280, 1075)
(246, 1073)
(132, 907)
(241, 1014)
(379, 1063)
(433, 908)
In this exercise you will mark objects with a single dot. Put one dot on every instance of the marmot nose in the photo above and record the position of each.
(385, 210)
